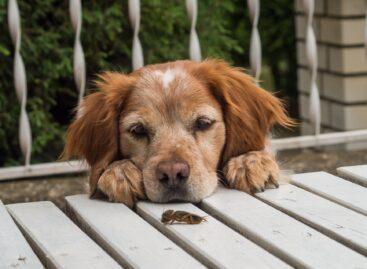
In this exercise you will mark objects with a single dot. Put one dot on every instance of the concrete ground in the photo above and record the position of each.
(56, 188)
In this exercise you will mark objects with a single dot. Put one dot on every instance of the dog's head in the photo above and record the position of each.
(178, 122)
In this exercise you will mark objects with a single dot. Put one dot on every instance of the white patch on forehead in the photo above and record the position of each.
(157, 73)
(168, 76)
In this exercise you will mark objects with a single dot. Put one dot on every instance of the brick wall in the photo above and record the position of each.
(342, 65)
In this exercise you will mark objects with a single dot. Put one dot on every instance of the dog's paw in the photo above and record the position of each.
(252, 172)
(122, 182)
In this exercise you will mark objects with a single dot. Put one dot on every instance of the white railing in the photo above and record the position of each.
(75, 8)
(255, 42)
(53, 168)
(20, 81)
(311, 54)
(194, 44)
(137, 50)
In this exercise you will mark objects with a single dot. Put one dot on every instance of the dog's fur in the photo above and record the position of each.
(166, 100)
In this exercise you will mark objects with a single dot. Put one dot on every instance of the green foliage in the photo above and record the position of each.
(47, 49)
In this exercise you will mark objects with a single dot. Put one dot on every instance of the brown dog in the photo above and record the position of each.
(164, 132)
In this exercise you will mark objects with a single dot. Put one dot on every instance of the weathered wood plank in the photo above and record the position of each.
(43, 169)
(14, 249)
(280, 234)
(126, 236)
(357, 173)
(56, 239)
(319, 140)
(334, 220)
(334, 188)
(212, 242)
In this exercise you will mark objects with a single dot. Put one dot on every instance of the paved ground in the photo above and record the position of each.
(56, 188)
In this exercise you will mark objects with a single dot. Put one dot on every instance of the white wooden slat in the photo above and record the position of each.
(212, 242)
(334, 188)
(334, 220)
(319, 140)
(43, 169)
(126, 236)
(57, 240)
(356, 173)
(14, 249)
(280, 234)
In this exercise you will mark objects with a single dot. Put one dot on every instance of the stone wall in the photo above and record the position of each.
(342, 65)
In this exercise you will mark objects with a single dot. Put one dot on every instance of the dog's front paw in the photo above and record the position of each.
(252, 172)
(122, 182)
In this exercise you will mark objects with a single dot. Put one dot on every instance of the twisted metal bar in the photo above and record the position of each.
(365, 33)
(311, 53)
(20, 81)
(255, 43)
(137, 50)
(194, 47)
(75, 9)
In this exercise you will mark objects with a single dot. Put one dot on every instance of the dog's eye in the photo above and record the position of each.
(203, 124)
(139, 131)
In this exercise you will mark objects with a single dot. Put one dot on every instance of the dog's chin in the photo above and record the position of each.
(179, 195)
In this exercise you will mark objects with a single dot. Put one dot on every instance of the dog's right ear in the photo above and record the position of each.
(249, 111)
(93, 135)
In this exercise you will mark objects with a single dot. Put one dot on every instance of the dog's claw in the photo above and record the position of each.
(273, 181)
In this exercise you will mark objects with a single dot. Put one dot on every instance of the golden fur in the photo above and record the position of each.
(167, 100)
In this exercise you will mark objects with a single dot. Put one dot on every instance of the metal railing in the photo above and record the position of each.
(20, 82)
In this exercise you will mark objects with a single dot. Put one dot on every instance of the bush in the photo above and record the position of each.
(47, 48)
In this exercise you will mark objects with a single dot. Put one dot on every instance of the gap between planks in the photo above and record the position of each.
(56, 239)
(14, 248)
(332, 219)
(212, 242)
(289, 239)
(128, 238)
(333, 188)
(356, 173)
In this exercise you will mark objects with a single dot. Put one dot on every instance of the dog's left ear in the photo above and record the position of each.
(93, 135)
(249, 111)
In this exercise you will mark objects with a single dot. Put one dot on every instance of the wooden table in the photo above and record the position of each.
(316, 221)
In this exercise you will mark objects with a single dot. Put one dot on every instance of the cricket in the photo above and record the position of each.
(170, 216)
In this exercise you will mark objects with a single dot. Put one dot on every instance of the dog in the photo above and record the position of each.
(172, 131)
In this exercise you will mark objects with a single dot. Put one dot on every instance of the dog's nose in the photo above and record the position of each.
(172, 173)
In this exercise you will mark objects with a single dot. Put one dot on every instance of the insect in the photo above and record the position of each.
(170, 216)
(21, 258)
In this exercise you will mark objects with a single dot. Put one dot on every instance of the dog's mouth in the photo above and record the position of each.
(192, 191)
(177, 201)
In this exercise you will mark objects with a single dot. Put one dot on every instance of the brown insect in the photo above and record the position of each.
(170, 216)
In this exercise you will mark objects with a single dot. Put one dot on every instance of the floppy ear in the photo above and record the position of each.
(249, 111)
(93, 135)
